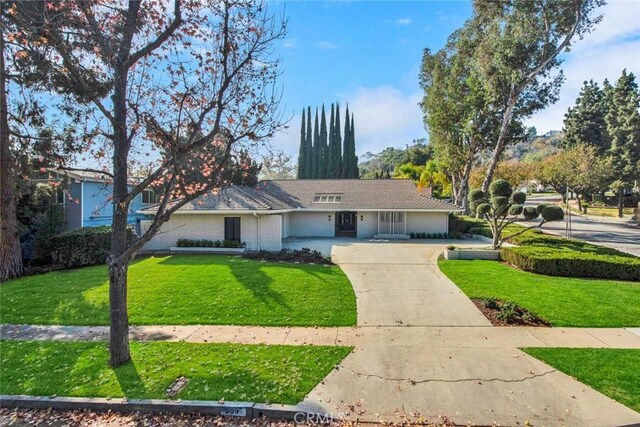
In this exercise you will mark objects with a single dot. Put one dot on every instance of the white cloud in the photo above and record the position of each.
(404, 21)
(326, 45)
(611, 47)
(289, 44)
(384, 117)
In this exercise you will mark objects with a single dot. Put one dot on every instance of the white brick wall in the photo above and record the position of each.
(312, 224)
(270, 232)
(368, 225)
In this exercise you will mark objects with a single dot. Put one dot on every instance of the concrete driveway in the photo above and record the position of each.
(402, 368)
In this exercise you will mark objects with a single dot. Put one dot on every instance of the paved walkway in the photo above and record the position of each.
(421, 348)
(433, 336)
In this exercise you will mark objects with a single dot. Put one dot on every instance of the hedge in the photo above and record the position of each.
(556, 256)
(206, 243)
(86, 246)
(549, 261)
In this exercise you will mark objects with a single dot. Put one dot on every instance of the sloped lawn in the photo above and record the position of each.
(613, 372)
(188, 289)
(257, 373)
(562, 301)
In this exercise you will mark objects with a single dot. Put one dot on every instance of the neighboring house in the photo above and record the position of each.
(277, 209)
(86, 197)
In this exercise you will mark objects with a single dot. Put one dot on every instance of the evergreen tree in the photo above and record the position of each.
(354, 172)
(324, 149)
(337, 146)
(346, 147)
(302, 154)
(331, 159)
(316, 149)
(585, 122)
(309, 149)
(623, 124)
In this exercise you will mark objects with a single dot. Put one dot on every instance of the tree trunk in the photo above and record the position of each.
(119, 327)
(118, 263)
(464, 187)
(499, 148)
(10, 251)
(620, 204)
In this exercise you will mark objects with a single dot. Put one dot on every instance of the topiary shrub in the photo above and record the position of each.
(552, 213)
(501, 207)
(86, 246)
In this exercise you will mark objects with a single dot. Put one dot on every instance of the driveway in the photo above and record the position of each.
(424, 350)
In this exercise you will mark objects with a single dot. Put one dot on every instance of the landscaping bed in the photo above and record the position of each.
(612, 372)
(561, 301)
(501, 313)
(304, 255)
(188, 290)
(254, 373)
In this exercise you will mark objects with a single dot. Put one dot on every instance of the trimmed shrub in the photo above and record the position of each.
(500, 187)
(518, 197)
(529, 213)
(86, 246)
(205, 243)
(515, 210)
(305, 255)
(552, 213)
(588, 261)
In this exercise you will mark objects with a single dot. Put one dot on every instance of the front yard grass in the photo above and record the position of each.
(613, 372)
(562, 301)
(257, 373)
(188, 289)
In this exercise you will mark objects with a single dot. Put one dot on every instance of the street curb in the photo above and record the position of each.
(205, 407)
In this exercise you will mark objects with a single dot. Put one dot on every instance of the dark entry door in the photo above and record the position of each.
(346, 224)
(232, 228)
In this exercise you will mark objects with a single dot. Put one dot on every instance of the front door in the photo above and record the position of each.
(346, 224)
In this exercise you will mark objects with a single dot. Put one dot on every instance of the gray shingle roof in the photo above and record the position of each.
(299, 194)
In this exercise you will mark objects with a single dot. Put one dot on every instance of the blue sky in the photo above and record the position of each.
(368, 54)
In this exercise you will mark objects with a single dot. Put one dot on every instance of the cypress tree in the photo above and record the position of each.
(302, 153)
(316, 149)
(346, 150)
(354, 171)
(323, 149)
(309, 150)
(337, 147)
(331, 159)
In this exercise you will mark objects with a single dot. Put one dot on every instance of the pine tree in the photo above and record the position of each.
(302, 154)
(323, 151)
(354, 171)
(331, 159)
(337, 147)
(309, 149)
(585, 122)
(316, 149)
(623, 124)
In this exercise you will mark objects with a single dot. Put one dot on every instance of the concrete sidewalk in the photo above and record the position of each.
(431, 336)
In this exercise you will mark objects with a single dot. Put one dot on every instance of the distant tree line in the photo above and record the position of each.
(326, 154)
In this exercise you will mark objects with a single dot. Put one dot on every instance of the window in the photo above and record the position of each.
(149, 197)
(327, 198)
(59, 196)
(232, 228)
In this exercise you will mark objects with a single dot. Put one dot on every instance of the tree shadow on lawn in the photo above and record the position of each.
(249, 273)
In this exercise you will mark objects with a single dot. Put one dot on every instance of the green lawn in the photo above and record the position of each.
(614, 372)
(258, 373)
(562, 301)
(188, 289)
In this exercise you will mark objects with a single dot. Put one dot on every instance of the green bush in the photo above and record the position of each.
(86, 246)
(500, 187)
(556, 261)
(205, 243)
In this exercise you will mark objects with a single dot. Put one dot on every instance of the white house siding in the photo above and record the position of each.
(200, 226)
(312, 224)
(270, 232)
(427, 222)
(367, 224)
(286, 229)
